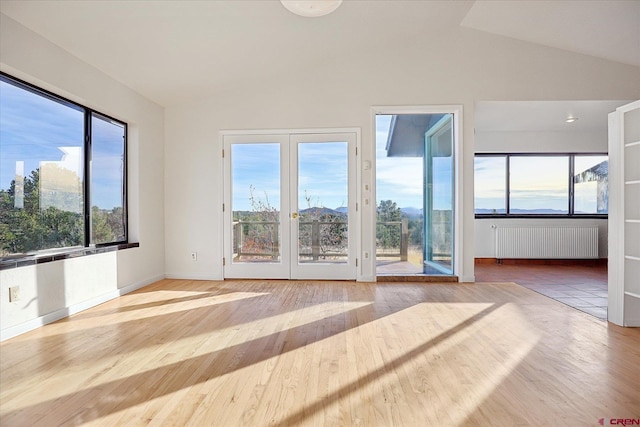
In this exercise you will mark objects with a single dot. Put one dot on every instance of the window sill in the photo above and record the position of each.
(538, 216)
(22, 261)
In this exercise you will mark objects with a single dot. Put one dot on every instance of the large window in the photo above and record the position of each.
(541, 185)
(62, 173)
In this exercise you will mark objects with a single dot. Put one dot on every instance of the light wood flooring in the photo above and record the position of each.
(289, 353)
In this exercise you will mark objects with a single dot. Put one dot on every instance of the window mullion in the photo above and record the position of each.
(87, 178)
(571, 185)
(507, 186)
(125, 182)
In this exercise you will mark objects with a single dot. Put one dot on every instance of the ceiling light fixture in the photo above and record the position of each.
(311, 8)
(571, 119)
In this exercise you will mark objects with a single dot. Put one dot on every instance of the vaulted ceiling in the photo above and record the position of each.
(174, 51)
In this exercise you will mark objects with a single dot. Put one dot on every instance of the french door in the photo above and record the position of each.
(289, 206)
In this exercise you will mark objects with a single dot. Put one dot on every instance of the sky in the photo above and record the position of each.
(490, 183)
(257, 167)
(549, 188)
(107, 163)
(401, 179)
(322, 174)
(35, 129)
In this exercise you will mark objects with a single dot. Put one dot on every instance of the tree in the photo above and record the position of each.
(33, 227)
(115, 222)
(100, 230)
(388, 235)
(257, 231)
(107, 225)
(415, 232)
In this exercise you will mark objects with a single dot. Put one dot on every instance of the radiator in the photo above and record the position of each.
(547, 242)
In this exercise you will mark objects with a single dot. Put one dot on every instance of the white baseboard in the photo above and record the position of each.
(141, 284)
(73, 309)
(631, 309)
(633, 323)
(192, 276)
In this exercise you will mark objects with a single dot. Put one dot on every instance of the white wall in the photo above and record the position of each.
(51, 290)
(459, 68)
(541, 142)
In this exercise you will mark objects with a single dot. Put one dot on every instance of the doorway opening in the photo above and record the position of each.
(415, 188)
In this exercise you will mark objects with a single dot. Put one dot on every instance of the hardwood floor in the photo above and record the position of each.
(287, 353)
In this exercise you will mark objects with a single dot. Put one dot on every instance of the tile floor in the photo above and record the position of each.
(579, 286)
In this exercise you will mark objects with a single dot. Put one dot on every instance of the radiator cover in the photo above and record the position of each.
(547, 242)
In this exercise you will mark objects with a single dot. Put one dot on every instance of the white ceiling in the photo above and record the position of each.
(607, 29)
(175, 51)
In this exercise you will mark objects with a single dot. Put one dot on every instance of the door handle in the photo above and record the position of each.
(294, 215)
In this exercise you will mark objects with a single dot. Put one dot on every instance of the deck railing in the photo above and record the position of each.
(266, 243)
(403, 248)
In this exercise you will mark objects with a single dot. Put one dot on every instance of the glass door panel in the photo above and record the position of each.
(255, 171)
(323, 204)
(255, 211)
(323, 216)
(439, 203)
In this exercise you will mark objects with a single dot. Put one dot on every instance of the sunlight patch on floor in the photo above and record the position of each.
(157, 308)
(119, 366)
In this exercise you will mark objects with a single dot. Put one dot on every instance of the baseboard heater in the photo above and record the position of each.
(547, 242)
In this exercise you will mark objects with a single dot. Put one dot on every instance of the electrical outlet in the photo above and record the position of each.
(194, 256)
(14, 293)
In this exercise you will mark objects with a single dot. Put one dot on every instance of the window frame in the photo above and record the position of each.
(86, 176)
(90, 114)
(571, 194)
